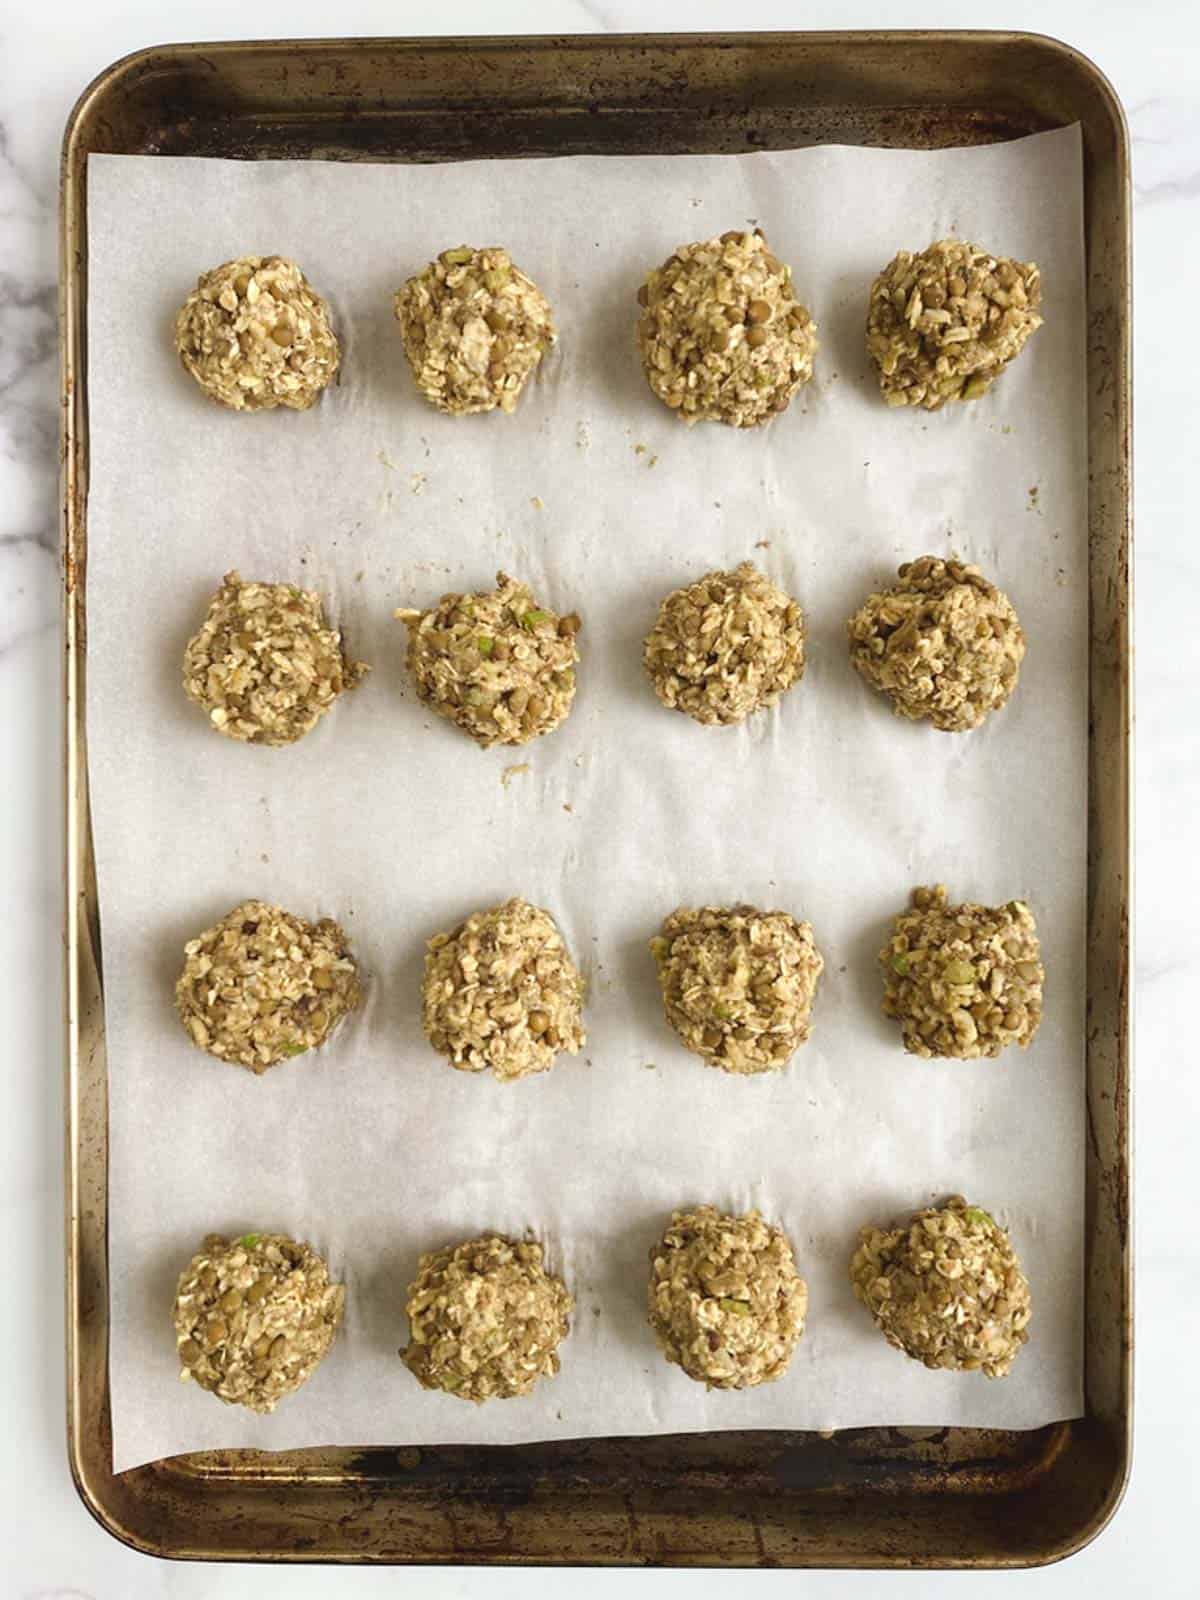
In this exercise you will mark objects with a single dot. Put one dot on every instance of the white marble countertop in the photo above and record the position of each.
(47, 54)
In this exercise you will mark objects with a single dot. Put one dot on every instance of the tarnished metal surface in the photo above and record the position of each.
(866, 1497)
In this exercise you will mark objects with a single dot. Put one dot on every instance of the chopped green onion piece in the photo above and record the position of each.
(485, 644)
(959, 972)
(294, 1049)
(975, 1214)
(739, 1308)
(532, 618)
(249, 1240)
(900, 965)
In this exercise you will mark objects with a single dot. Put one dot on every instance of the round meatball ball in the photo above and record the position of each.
(486, 1319)
(963, 981)
(943, 644)
(262, 986)
(502, 994)
(499, 665)
(254, 1317)
(726, 646)
(722, 336)
(474, 328)
(264, 667)
(255, 334)
(738, 984)
(726, 1302)
(943, 325)
(946, 1288)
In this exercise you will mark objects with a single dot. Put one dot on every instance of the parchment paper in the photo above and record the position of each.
(394, 823)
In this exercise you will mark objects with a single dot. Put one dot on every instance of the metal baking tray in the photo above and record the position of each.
(865, 1497)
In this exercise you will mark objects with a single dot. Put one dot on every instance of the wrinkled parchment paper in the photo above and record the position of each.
(397, 825)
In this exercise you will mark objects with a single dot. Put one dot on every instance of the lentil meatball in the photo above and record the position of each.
(264, 666)
(963, 981)
(943, 324)
(502, 994)
(943, 644)
(486, 1319)
(946, 1288)
(262, 985)
(725, 646)
(721, 335)
(255, 334)
(255, 1317)
(474, 328)
(726, 1302)
(738, 984)
(499, 665)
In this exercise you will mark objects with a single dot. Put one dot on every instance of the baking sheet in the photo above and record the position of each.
(395, 824)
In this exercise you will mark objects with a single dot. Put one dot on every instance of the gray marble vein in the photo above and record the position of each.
(28, 400)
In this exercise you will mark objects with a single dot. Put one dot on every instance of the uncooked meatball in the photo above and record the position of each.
(474, 329)
(262, 986)
(726, 646)
(946, 1288)
(499, 665)
(726, 1302)
(721, 334)
(502, 994)
(264, 667)
(255, 1317)
(943, 644)
(255, 334)
(738, 984)
(486, 1319)
(963, 981)
(943, 324)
